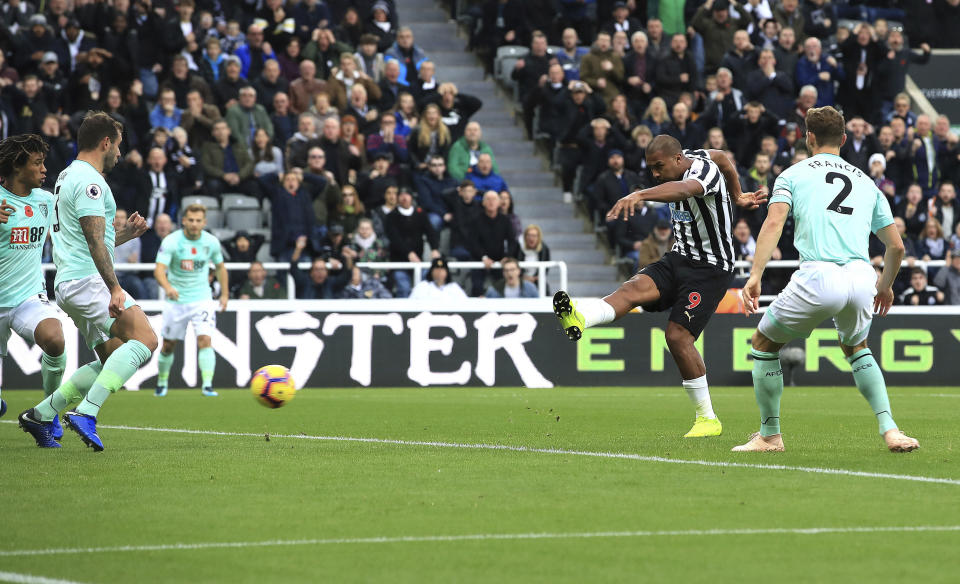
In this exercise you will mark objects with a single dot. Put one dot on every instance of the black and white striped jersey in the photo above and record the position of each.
(703, 225)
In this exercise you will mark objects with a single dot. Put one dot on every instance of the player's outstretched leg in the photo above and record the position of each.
(767, 387)
(164, 365)
(869, 380)
(49, 336)
(71, 391)
(575, 316)
(207, 360)
(140, 343)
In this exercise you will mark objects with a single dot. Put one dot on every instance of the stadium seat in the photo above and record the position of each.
(263, 255)
(214, 218)
(240, 218)
(222, 234)
(208, 202)
(261, 231)
(267, 213)
(237, 201)
(507, 57)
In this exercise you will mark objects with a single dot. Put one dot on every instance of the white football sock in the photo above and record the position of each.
(700, 396)
(596, 311)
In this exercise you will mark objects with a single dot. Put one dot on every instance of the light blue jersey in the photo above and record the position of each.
(21, 246)
(835, 207)
(188, 263)
(81, 191)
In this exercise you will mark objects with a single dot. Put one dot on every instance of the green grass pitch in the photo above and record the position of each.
(237, 507)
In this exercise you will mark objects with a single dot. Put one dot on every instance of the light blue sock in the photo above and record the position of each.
(869, 380)
(207, 360)
(118, 368)
(768, 387)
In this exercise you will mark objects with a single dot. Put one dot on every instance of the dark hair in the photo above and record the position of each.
(95, 127)
(664, 144)
(916, 271)
(15, 152)
(826, 124)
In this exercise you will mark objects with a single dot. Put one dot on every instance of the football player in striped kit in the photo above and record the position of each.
(690, 280)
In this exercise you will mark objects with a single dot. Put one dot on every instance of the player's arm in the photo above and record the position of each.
(669, 192)
(224, 285)
(94, 227)
(749, 201)
(134, 228)
(891, 266)
(766, 242)
(160, 275)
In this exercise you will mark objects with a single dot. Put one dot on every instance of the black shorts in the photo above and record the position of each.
(691, 290)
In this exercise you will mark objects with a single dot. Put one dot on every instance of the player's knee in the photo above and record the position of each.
(149, 339)
(677, 336)
(204, 341)
(50, 339)
(168, 346)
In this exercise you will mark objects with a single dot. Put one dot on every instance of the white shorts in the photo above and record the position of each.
(87, 301)
(176, 316)
(822, 290)
(24, 318)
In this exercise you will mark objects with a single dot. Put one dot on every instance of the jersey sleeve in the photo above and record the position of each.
(216, 255)
(782, 191)
(165, 253)
(881, 213)
(705, 173)
(88, 198)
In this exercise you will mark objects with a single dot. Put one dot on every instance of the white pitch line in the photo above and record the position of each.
(16, 578)
(529, 449)
(478, 537)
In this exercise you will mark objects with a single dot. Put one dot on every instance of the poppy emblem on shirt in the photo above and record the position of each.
(28, 211)
(193, 250)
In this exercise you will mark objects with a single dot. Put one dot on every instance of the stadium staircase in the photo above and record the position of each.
(537, 198)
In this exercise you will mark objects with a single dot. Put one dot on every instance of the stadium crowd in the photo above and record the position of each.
(322, 131)
(310, 130)
(602, 77)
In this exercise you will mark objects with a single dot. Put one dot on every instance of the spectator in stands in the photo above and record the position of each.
(948, 277)
(861, 56)
(533, 249)
(550, 98)
(407, 55)
(198, 119)
(324, 51)
(920, 293)
(158, 190)
(788, 14)
(345, 79)
(612, 184)
(323, 188)
(31, 102)
(861, 144)
(374, 183)
(388, 141)
(639, 68)
(304, 139)
(260, 287)
(923, 152)
(211, 60)
(620, 117)
(659, 42)
(127, 253)
(267, 158)
(581, 14)
(747, 131)
(340, 161)
(484, 177)
(657, 116)
(786, 52)
(288, 60)
(688, 133)
(741, 59)
(248, 116)
(465, 212)
(242, 247)
(529, 73)
(659, 242)
(60, 152)
(350, 29)
(913, 211)
(227, 90)
(602, 69)
(818, 70)
(365, 245)
(149, 246)
(426, 85)
(293, 214)
(676, 71)
(391, 85)
(893, 66)
(407, 115)
(456, 108)
(506, 208)
(166, 114)
(318, 283)
(379, 214)
(364, 285)
(946, 24)
(512, 285)
(305, 89)
(354, 139)
(932, 245)
(182, 81)
(945, 207)
(430, 138)
(437, 285)
(901, 110)
(433, 186)
(407, 227)
(808, 99)
(492, 239)
(350, 210)
(878, 166)
(714, 23)
(467, 149)
(571, 55)
(369, 59)
(227, 166)
(744, 248)
(254, 53)
(726, 101)
(269, 84)
(332, 246)
(773, 88)
(819, 19)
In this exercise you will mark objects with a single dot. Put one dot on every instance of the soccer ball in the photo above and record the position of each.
(272, 386)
